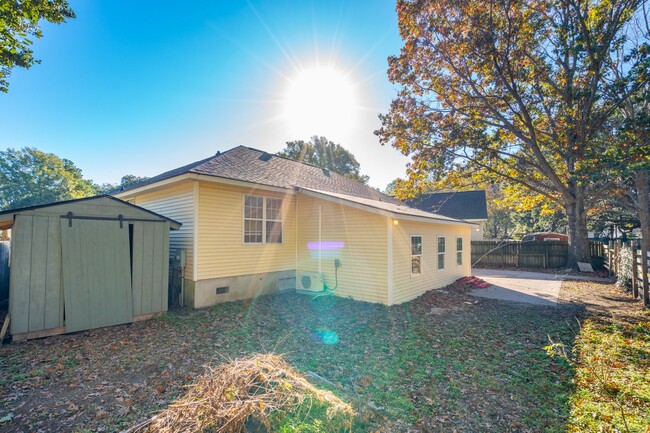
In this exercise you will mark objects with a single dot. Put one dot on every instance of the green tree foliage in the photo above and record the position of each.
(323, 153)
(391, 188)
(19, 23)
(30, 177)
(127, 181)
(519, 89)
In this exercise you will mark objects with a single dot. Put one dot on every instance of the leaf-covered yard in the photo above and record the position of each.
(443, 362)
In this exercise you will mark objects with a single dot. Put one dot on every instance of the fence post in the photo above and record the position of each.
(609, 258)
(546, 247)
(518, 255)
(644, 269)
(635, 287)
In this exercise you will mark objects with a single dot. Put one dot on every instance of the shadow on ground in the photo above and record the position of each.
(443, 362)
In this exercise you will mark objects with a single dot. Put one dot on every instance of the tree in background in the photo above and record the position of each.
(30, 177)
(513, 211)
(127, 181)
(323, 153)
(19, 21)
(518, 89)
(623, 165)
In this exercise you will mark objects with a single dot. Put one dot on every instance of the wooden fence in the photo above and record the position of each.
(640, 277)
(544, 254)
(541, 254)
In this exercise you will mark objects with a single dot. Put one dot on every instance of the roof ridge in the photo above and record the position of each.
(313, 175)
(347, 179)
(295, 160)
(210, 158)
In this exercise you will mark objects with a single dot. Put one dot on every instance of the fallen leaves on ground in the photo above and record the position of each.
(439, 363)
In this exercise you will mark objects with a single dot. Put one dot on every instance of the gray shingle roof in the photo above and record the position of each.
(467, 205)
(256, 166)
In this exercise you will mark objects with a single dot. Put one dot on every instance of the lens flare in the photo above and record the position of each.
(320, 101)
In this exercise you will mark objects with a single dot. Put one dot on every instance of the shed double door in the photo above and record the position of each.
(96, 265)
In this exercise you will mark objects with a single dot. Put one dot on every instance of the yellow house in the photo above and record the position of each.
(254, 223)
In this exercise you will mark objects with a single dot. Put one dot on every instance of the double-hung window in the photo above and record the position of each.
(459, 251)
(262, 220)
(441, 252)
(416, 255)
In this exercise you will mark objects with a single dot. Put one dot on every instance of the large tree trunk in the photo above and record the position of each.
(641, 180)
(578, 238)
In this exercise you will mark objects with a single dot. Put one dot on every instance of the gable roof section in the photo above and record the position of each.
(467, 205)
(7, 216)
(395, 210)
(255, 166)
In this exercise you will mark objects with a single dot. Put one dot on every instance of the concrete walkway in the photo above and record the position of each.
(519, 286)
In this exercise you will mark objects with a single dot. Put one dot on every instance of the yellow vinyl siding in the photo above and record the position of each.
(407, 286)
(363, 257)
(222, 252)
(175, 202)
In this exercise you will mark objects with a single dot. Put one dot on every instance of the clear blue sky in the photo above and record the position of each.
(140, 87)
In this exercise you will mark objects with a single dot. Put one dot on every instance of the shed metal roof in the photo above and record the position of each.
(7, 216)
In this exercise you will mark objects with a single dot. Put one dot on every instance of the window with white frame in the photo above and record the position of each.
(273, 234)
(416, 255)
(441, 252)
(262, 220)
(459, 251)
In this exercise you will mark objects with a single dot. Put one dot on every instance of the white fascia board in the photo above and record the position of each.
(203, 178)
(152, 186)
(377, 211)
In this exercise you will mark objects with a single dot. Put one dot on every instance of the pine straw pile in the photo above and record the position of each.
(225, 397)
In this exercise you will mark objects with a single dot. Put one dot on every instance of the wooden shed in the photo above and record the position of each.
(85, 264)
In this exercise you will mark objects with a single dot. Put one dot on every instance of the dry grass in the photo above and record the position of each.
(224, 398)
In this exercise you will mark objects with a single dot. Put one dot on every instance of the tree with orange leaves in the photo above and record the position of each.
(519, 89)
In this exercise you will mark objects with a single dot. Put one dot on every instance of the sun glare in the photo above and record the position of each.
(320, 101)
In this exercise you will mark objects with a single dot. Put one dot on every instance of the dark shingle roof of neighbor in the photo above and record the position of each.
(256, 166)
(467, 205)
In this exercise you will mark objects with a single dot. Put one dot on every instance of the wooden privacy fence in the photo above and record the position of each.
(640, 278)
(537, 254)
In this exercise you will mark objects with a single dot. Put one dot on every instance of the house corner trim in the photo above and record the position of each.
(195, 253)
(389, 261)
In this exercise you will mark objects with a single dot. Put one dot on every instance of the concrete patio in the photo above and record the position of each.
(520, 286)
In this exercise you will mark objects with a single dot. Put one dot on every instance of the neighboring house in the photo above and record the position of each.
(255, 223)
(470, 206)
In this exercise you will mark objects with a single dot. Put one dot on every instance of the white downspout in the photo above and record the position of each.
(295, 203)
(390, 281)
